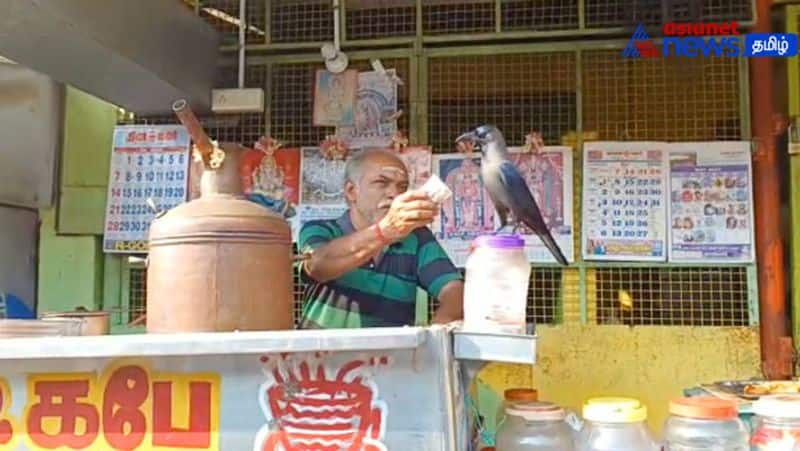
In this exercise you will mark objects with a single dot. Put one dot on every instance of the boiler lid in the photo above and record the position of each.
(223, 215)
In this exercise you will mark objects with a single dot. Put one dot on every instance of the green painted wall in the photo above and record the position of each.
(88, 132)
(70, 268)
(71, 261)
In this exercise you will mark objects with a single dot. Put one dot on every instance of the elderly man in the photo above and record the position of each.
(365, 267)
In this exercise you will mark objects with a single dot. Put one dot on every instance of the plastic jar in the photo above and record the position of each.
(510, 396)
(496, 285)
(534, 426)
(704, 424)
(615, 424)
(777, 423)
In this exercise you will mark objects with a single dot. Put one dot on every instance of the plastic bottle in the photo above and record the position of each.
(615, 424)
(534, 426)
(511, 396)
(496, 285)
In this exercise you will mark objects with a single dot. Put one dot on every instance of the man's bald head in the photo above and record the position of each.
(372, 160)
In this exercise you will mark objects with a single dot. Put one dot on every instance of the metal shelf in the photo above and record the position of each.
(213, 343)
(494, 347)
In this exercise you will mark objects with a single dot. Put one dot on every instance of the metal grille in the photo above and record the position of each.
(629, 13)
(538, 15)
(370, 19)
(672, 296)
(720, 10)
(302, 20)
(518, 93)
(447, 17)
(661, 98)
(137, 293)
(544, 295)
(254, 77)
(619, 13)
(297, 21)
(224, 16)
(292, 100)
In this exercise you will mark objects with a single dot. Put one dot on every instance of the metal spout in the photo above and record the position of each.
(195, 129)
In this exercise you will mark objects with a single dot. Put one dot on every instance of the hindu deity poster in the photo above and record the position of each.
(271, 177)
(469, 212)
(711, 206)
(375, 118)
(335, 98)
(321, 187)
(549, 177)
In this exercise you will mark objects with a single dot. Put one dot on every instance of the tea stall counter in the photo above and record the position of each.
(364, 389)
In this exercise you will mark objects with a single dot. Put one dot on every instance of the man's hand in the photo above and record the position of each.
(409, 211)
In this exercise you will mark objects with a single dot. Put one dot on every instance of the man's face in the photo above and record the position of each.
(382, 179)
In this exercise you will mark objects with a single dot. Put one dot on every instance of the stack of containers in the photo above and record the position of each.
(619, 424)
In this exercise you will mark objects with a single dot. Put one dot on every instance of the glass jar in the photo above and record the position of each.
(703, 424)
(511, 396)
(777, 423)
(534, 426)
(615, 424)
(496, 285)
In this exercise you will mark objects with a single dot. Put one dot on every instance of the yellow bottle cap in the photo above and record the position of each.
(614, 410)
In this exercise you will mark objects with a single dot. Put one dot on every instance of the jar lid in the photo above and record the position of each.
(778, 406)
(500, 241)
(536, 411)
(521, 394)
(614, 410)
(705, 407)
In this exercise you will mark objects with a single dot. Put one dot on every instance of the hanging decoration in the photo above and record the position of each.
(268, 145)
(333, 148)
(533, 143)
(399, 142)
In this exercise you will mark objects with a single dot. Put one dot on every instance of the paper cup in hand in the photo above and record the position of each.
(436, 189)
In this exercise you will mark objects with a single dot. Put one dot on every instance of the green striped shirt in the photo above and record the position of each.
(373, 295)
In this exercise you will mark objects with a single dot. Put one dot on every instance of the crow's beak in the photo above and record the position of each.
(469, 136)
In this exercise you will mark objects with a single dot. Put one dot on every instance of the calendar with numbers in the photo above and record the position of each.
(624, 201)
(148, 161)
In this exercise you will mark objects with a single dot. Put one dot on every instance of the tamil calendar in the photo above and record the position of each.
(624, 201)
(147, 162)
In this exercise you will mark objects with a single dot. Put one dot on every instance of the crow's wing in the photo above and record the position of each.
(518, 198)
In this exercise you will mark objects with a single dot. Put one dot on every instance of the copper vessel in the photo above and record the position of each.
(95, 322)
(219, 262)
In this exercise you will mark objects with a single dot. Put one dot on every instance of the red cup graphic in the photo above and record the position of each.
(324, 415)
